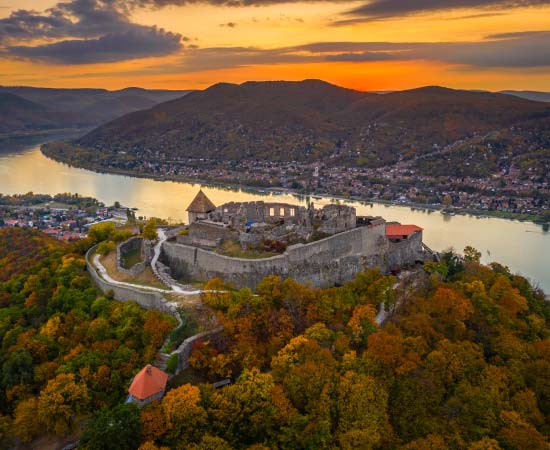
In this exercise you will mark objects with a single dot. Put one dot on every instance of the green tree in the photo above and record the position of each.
(150, 230)
(113, 429)
(101, 231)
(105, 247)
(471, 254)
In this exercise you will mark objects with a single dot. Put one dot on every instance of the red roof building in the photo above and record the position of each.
(148, 385)
(397, 231)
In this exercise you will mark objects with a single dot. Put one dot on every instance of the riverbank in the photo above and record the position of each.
(522, 217)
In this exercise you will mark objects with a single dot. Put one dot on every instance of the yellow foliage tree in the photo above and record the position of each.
(362, 323)
(183, 413)
(60, 402)
(26, 424)
(362, 411)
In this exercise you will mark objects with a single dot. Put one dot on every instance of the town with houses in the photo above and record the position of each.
(65, 217)
(510, 192)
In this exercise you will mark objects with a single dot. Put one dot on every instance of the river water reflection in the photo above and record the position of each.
(524, 247)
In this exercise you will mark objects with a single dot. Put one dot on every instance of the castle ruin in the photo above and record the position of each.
(324, 247)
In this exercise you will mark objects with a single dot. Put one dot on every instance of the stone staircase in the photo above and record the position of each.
(162, 359)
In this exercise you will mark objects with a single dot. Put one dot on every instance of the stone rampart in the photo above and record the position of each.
(174, 231)
(333, 260)
(184, 350)
(130, 245)
(406, 252)
(147, 300)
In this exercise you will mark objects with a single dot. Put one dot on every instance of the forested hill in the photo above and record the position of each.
(314, 120)
(28, 109)
(65, 351)
(17, 113)
(463, 363)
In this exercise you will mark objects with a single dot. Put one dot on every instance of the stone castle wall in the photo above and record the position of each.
(130, 245)
(207, 234)
(185, 348)
(147, 300)
(333, 260)
(405, 252)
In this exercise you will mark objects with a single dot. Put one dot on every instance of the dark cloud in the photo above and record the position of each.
(477, 16)
(137, 43)
(363, 57)
(157, 4)
(85, 31)
(511, 50)
(387, 9)
(369, 10)
(214, 58)
(78, 18)
(228, 24)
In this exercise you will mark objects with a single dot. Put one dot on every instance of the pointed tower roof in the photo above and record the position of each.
(149, 381)
(201, 204)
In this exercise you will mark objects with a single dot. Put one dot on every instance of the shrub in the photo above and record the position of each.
(101, 231)
(105, 248)
(172, 363)
(122, 235)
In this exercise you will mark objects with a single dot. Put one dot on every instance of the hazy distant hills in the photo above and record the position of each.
(530, 95)
(26, 110)
(314, 120)
(17, 113)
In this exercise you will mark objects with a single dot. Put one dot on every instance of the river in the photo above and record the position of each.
(523, 246)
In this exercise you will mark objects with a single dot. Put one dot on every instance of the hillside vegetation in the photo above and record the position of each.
(65, 352)
(313, 120)
(464, 363)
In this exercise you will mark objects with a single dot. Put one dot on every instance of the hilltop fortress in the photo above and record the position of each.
(243, 242)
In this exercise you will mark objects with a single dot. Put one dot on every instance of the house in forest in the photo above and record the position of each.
(147, 386)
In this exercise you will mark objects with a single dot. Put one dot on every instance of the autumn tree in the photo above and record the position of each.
(183, 413)
(362, 415)
(150, 230)
(101, 232)
(471, 254)
(362, 323)
(27, 423)
(60, 403)
(244, 412)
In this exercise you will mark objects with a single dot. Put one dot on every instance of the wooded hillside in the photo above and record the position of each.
(65, 352)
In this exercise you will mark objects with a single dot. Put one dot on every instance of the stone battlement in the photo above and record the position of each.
(343, 244)
(329, 261)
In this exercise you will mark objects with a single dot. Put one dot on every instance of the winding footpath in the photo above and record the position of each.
(174, 289)
(105, 275)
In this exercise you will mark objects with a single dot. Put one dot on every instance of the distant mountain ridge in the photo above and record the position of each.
(314, 120)
(530, 95)
(536, 96)
(17, 113)
(48, 108)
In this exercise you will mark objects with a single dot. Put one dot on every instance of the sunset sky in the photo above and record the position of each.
(190, 44)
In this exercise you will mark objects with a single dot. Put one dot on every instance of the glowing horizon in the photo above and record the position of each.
(366, 45)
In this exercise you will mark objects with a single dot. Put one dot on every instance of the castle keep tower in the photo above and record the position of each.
(200, 207)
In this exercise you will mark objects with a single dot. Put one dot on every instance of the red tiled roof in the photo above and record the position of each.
(398, 231)
(149, 381)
